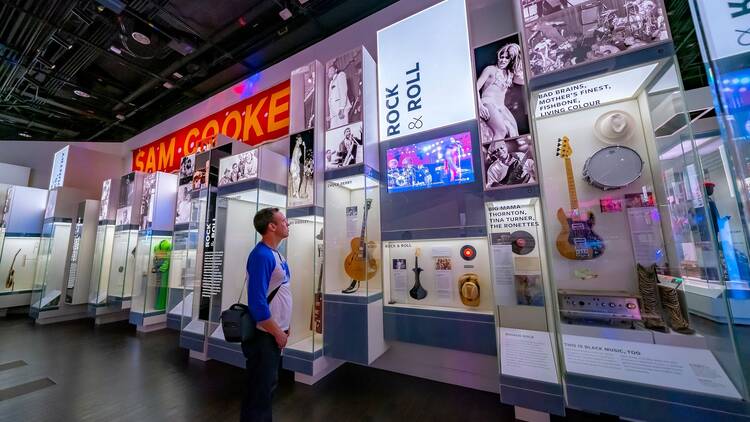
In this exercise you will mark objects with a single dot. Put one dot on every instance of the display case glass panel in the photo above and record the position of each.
(50, 269)
(152, 261)
(305, 257)
(235, 238)
(632, 257)
(18, 262)
(353, 264)
(100, 269)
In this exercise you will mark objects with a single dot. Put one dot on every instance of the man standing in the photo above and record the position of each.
(269, 298)
(338, 98)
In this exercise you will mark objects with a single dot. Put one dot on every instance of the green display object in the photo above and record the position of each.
(162, 252)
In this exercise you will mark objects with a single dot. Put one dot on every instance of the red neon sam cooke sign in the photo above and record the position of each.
(254, 120)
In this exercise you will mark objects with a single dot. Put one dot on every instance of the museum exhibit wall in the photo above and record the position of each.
(38, 155)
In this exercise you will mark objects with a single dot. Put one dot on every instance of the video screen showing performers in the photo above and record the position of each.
(575, 32)
(428, 164)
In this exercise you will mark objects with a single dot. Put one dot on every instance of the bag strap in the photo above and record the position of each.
(270, 297)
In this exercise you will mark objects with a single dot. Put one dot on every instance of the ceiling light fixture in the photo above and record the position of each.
(24, 134)
(45, 62)
(285, 14)
(80, 93)
(141, 38)
(168, 85)
(64, 43)
(115, 50)
(120, 116)
(177, 75)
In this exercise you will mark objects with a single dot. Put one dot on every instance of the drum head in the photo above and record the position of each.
(613, 167)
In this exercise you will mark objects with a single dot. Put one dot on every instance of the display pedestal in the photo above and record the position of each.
(201, 356)
(110, 316)
(175, 314)
(150, 324)
(528, 415)
(354, 326)
(223, 351)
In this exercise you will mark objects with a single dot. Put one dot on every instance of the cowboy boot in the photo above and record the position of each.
(647, 282)
(671, 302)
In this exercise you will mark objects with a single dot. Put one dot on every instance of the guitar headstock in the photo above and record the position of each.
(418, 252)
(564, 149)
(368, 203)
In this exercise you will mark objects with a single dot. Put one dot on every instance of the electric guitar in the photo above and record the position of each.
(10, 281)
(417, 292)
(357, 264)
(316, 322)
(576, 239)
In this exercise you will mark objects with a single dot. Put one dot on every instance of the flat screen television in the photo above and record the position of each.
(444, 161)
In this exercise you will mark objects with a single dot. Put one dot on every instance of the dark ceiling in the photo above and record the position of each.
(106, 70)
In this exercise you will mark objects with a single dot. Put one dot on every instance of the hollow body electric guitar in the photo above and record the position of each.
(358, 264)
(417, 292)
(577, 240)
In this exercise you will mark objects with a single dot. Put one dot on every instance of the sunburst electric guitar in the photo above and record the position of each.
(359, 264)
(577, 239)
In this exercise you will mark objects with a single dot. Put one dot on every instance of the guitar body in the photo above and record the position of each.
(11, 279)
(358, 267)
(577, 240)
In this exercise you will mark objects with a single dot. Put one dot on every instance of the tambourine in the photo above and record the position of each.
(613, 168)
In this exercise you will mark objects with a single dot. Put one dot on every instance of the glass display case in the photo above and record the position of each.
(153, 251)
(121, 270)
(51, 275)
(80, 262)
(353, 272)
(633, 261)
(184, 262)
(235, 237)
(102, 258)
(21, 226)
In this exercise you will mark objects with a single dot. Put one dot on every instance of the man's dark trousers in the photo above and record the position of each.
(262, 372)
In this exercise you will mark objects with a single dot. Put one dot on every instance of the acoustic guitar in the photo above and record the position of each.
(577, 240)
(417, 292)
(358, 265)
(10, 280)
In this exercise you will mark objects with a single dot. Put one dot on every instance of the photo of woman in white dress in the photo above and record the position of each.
(301, 170)
(500, 82)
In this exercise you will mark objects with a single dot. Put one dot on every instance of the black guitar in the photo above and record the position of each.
(10, 281)
(417, 292)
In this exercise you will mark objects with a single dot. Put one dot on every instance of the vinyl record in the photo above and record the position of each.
(522, 242)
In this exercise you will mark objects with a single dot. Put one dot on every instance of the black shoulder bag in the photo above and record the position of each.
(237, 322)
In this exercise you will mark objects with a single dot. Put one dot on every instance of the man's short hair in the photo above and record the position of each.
(263, 218)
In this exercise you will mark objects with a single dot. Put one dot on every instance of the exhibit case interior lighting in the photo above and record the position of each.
(264, 186)
(21, 227)
(634, 266)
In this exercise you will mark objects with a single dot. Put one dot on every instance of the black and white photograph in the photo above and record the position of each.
(529, 291)
(344, 146)
(399, 264)
(575, 32)
(123, 216)
(127, 190)
(104, 202)
(187, 166)
(302, 98)
(147, 200)
(501, 84)
(182, 212)
(301, 169)
(508, 163)
(344, 96)
(238, 168)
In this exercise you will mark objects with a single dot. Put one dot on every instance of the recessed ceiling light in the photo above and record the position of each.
(80, 93)
(168, 85)
(24, 134)
(177, 75)
(285, 14)
(141, 38)
(115, 50)
(120, 117)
